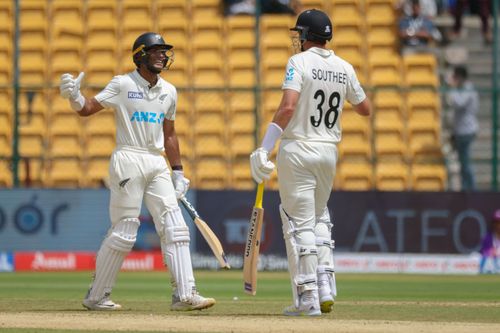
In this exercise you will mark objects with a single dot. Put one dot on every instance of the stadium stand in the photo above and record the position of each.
(215, 71)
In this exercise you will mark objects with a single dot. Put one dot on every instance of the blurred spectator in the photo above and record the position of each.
(428, 8)
(236, 7)
(464, 100)
(482, 9)
(417, 32)
(490, 246)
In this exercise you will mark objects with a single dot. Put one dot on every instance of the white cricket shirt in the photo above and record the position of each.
(140, 110)
(324, 81)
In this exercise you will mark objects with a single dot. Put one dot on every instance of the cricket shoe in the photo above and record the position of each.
(105, 304)
(196, 302)
(309, 306)
(325, 298)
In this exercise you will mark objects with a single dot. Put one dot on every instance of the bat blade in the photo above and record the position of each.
(252, 246)
(207, 233)
(213, 242)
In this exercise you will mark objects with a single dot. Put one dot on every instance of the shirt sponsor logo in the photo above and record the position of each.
(289, 74)
(135, 95)
(147, 117)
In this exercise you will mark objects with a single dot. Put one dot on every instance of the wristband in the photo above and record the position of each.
(78, 102)
(177, 167)
(272, 135)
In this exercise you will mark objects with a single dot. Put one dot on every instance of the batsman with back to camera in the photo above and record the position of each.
(317, 83)
(145, 107)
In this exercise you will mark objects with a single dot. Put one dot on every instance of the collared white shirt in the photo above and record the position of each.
(140, 109)
(324, 81)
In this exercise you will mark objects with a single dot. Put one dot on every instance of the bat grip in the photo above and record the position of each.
(260, 195)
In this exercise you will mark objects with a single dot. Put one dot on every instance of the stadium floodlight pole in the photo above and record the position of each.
(15, 139)
(494, 102)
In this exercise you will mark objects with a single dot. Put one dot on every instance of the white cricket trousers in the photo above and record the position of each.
(306, 171)
(136, 175)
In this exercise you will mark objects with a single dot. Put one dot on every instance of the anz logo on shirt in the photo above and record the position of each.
(147, 117)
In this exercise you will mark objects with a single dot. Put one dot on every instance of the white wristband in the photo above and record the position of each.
(272, 135)
(77, 103)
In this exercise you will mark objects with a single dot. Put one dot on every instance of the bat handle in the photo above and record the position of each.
(260, 195)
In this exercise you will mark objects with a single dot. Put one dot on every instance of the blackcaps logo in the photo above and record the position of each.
(327, 29)
(162, 98)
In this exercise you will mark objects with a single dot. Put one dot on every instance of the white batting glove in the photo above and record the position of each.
(260, 165)
(70, 87)
(181, 183)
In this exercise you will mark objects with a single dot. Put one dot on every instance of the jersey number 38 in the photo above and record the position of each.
(331, 115)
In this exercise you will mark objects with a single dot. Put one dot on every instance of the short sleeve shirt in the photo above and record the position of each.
(140, 109)
(324, 81)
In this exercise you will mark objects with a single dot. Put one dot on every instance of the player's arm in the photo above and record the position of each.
(172, 150)
(260, 165)
(70, 89)
(171, 143)
(286, 108)
(364, 108)
(90, 107)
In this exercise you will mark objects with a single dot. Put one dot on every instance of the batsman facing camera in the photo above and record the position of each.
(138, 172)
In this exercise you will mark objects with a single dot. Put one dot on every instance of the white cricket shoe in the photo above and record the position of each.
(105, 304)
(325, 298)
(309, 306)
(196, 302)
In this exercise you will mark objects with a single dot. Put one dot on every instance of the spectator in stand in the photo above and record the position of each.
(237, 7)
(482, 7)
(417, 32)
(490, 246)
(428, 8)
(464, 100)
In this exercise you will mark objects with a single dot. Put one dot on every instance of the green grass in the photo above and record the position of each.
(362, 296)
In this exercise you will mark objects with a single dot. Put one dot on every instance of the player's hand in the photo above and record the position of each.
(260, 165)
(69, 86)
(181, 183)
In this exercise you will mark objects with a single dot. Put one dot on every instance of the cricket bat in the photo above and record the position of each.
(252, 246)
(207, 233)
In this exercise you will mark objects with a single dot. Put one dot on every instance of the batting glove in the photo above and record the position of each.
(260, 165)
(70, 87)
(181, 183)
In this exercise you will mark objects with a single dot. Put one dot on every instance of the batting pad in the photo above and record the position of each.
(175, 248)
(302, 258)
(111, 255)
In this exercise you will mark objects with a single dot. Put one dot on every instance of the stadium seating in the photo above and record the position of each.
(97, 172)
(31, 172)
(65, 173)
(5, 174)
(392, 177)
(354, 176)
(428, 177)
(168, 9)
(215, 71)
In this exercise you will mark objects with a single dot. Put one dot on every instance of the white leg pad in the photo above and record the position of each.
(326, 269)
(175, 248)
(301, 257)
(115, 247)
(325, 245)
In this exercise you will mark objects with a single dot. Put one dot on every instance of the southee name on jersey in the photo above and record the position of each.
(331, 76)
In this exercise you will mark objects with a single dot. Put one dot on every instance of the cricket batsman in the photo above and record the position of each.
(145, 108)
(308, 120)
